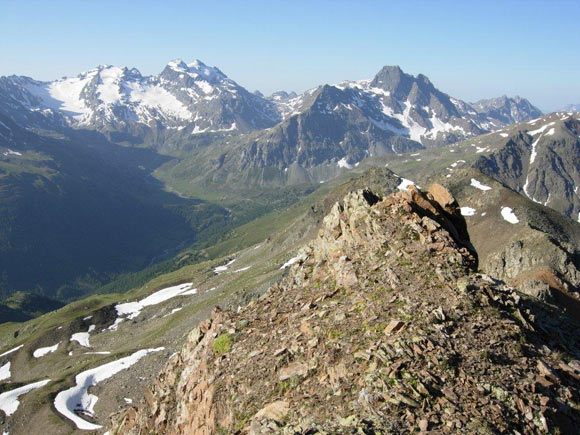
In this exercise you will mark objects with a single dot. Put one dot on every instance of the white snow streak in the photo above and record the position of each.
(11, 350)
(533, 154)
(290, 262)
(78, 400)
(223, 268)
(133, 309)
(9, 152)
(81, 338)
(9, 400)
(342, 163)
(404, 185)
(541, 129)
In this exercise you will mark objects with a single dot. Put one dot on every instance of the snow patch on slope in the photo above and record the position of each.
(9, 402)
(5, 372)
(81, 338)
(404, 184)
(508, 215)
(133, 309)
(11, 350)
(534, 153)
(223, 268)
(40, 352)
(478, 185)
(467, 211)
(77, 400)
(342, 163)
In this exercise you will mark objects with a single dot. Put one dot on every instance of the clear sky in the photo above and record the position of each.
(468, 48)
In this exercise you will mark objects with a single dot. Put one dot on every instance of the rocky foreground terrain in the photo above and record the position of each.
(381, 326)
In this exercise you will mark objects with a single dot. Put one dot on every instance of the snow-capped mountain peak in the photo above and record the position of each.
(184, 95)
(198, 70)
(194, 98)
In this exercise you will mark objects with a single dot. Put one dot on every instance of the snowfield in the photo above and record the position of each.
(40, 352)
(5, 371)
(342, 163)
(467, 211)
(133, 309)
(9, 400)
(508, 214)
(223, 268)
(78, 400)
(290, 262)
(9, 152)
(404, 185)
(541, 129)
(81, 338)
(478, 185)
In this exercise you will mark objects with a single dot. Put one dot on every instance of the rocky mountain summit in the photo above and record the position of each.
(508, 110)
(382, 325)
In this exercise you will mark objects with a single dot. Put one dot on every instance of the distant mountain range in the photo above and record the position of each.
(202, 135)
(195, 99)
(571, 108)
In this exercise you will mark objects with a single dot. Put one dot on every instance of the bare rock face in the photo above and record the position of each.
(444, 198)
(381, 327)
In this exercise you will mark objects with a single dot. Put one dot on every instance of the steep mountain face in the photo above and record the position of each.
(522, 243)
(412, 107)
(505, 110)
(131, 107)
(381, 326)
(541, 160)
(330, 129)
(298, 138)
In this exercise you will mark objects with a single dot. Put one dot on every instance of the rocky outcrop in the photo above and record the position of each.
(539, 255)
(382, 326)
(529, 259)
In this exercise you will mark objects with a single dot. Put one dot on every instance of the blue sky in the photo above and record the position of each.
(469, 49)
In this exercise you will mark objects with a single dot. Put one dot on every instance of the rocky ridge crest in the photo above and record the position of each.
(382, 325)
